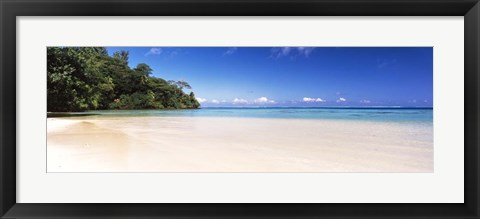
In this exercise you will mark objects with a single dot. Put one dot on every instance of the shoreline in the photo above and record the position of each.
(235, 144)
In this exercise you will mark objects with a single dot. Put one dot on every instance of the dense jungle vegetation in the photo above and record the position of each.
(87, 78)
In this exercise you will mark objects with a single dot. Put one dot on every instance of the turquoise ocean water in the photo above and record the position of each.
(423, 115)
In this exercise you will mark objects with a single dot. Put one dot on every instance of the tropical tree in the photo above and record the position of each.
(86, 78)
(183, 84)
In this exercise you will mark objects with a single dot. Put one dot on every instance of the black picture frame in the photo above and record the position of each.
(10, 9)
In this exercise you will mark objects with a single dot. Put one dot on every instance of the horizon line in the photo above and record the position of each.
(317, 107)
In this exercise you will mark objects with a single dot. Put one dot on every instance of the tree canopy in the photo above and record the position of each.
(87, 78)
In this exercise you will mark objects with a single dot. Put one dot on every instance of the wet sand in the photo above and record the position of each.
(201, 144)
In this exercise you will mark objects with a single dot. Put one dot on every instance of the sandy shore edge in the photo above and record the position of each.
(200, 144)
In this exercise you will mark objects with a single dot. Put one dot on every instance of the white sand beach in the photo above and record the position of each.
(202, 144)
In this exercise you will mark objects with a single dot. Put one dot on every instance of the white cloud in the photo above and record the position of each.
(308, 99)
(263, 100)
(305, 51)
(154, 51)
(292, 52)
(238, 100)
(285, 51)
(364, 101)
(230, 51)
(201, 100)
(280, 52)
(311, 100)
(215, 101)
(341, 99)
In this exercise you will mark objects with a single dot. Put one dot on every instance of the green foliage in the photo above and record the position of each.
(137, 101)
(87, 78)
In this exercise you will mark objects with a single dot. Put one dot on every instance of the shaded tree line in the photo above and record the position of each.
(87, 78)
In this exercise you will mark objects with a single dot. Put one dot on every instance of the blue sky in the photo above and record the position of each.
(296, 76)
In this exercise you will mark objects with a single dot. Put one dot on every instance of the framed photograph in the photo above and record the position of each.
(239, 109)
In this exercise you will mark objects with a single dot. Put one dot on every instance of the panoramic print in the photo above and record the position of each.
(240, 109)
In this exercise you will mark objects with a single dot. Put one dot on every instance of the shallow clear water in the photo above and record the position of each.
(423, 115)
